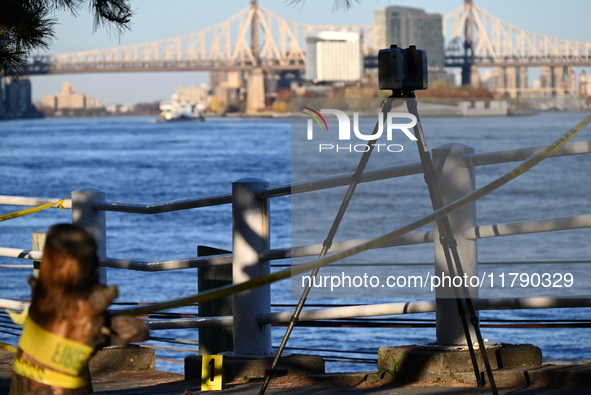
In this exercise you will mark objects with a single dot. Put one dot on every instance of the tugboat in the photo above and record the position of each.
(171, 111)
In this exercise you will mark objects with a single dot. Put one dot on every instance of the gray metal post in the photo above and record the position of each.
(455, 181)
(250, 234)
(91, 220)
(215, 340)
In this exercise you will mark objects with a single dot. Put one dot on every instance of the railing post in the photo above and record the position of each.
(91, 220)
(214, 340)
(250, 234)
(455, 180)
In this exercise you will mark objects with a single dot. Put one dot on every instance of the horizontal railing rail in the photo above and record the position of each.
(497, 157)
(375, 310)
(353, 311)
(478, 232)
(524, 227)
(163, 207)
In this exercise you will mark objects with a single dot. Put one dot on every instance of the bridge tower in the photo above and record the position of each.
(255, 87)
(461, 49)
(468, 62)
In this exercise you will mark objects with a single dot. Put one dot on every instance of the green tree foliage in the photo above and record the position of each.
(28, 25)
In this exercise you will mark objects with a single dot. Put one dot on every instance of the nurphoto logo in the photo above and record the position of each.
(394, 122)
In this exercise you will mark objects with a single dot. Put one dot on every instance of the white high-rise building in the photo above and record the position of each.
(334, 56)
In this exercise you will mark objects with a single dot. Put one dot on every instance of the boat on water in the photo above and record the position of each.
(171, 111)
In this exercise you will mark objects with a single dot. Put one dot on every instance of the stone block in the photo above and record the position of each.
(129, 358)
(423, 363)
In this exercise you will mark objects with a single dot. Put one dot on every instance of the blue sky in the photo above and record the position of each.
(157, 19)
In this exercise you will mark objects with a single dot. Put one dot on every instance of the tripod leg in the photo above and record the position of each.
(462, 295)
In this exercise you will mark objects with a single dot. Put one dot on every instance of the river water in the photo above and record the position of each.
(136, 160)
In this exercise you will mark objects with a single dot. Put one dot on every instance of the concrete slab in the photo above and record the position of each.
(418, 363)
(129, 358)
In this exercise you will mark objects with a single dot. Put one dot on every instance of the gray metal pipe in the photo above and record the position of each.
(344, 312)
(225, 259)
(342, 180)
(491, 158)
(518, 228)
(163, 207)
(334, 313)
(314, 249)
(191, 323)
(375, 310)
(428, 306)
(174, 264)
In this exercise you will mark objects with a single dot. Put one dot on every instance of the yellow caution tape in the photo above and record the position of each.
(65, 355)
(19, 318)
(46, 376)
(374, 243)
(32, 210)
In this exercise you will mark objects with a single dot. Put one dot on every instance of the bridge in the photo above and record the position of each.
(257, 39)
(479, 39)
(252, 38)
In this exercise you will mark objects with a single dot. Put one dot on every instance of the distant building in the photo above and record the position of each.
(18, 96)
(379, 23)
(509, 82)
(406, 26)
(557, 81)
(192, 94)
(16, 99)
(584, 85)
(228, 93)
(334, 56)
(69, 99)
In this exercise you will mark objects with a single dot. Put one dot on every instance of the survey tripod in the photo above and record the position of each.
(462, 297)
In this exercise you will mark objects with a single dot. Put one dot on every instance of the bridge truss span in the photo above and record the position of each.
(481, 39)
(231, 45)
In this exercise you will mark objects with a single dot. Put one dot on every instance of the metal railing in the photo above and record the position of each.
(251, 251)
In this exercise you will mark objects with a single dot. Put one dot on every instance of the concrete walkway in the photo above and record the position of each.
(153, 382)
